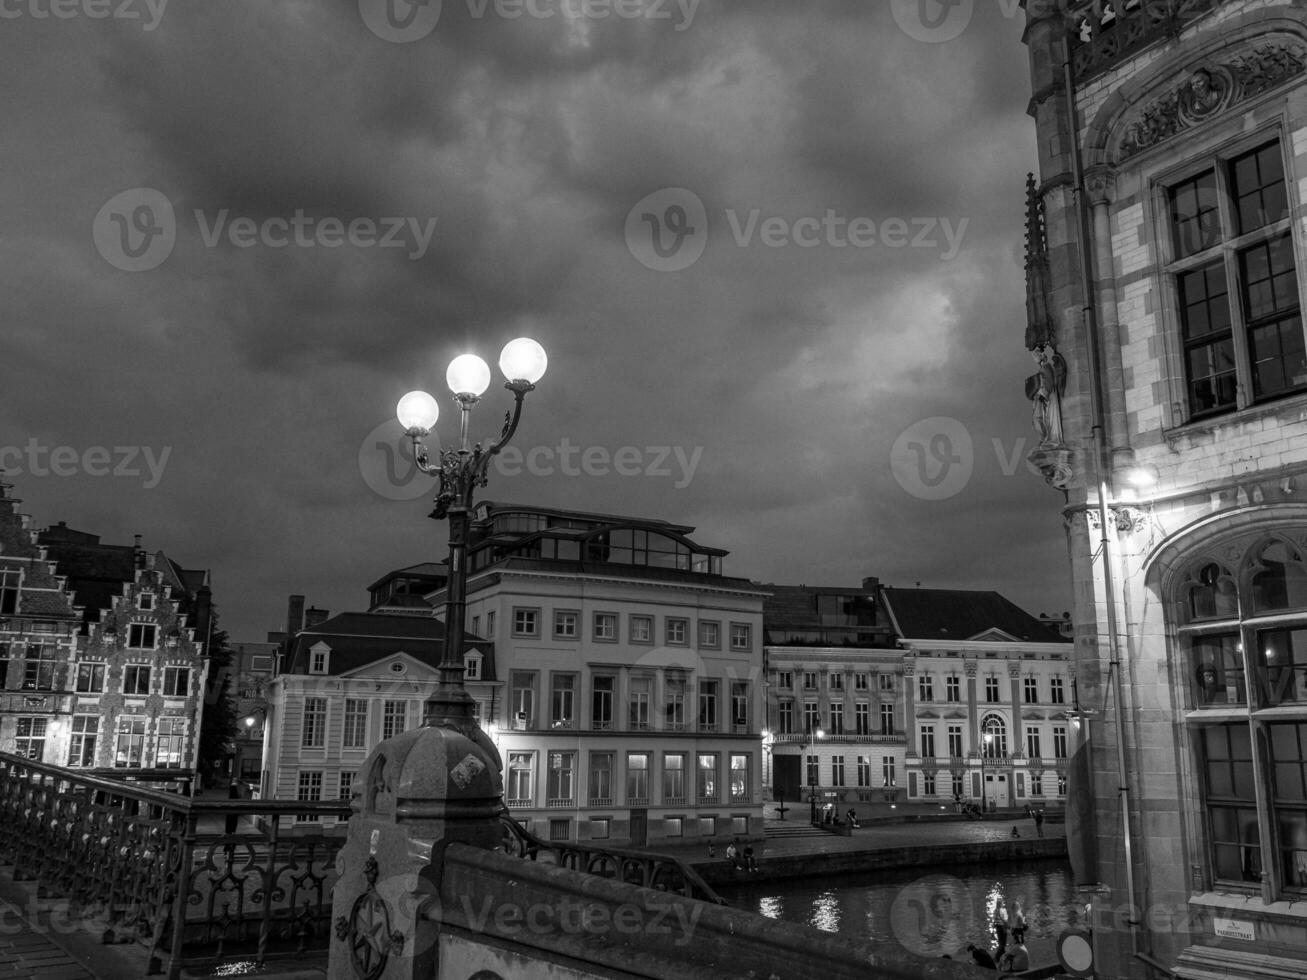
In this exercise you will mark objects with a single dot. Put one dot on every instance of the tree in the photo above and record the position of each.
(219, 723)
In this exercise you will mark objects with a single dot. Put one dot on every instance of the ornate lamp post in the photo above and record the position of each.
(813, 772)
(461, 471)
(984, 775)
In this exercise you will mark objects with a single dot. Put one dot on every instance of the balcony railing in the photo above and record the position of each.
(846, 738)
(560, 803)
(673, 801)
(602, 802)
(193, 881)
(1105, 32)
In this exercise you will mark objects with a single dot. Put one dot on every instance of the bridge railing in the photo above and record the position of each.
(193, 881)
(659, 871)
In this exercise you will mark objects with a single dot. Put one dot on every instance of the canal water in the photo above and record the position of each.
(929, 912)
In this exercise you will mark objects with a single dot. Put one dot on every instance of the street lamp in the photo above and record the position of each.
(984, 775)
(813, 775)
(461, 471)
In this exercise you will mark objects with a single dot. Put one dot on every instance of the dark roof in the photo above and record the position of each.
(494, 507)
(790, 617)
(359, 639)
(425, 569)
(958, 614)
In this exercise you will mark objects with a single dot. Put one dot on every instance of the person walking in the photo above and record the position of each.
(1039, 823)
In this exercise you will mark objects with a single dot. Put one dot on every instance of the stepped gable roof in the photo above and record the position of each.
(960, 614)
(357, 639)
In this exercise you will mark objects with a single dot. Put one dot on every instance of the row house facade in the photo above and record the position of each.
(629, 704)
(1165, 294)
(100, 663)
(346, 682)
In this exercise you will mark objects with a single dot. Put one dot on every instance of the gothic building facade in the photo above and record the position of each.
(1166, 243)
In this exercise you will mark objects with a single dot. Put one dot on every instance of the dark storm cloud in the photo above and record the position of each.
(785, 372)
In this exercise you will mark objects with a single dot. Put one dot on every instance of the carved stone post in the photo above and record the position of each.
(418, 792)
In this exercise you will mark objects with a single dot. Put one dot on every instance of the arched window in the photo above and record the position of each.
(993, 737)
(1243, 658)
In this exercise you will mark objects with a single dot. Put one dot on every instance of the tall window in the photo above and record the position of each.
(168, 750)
(523, 698)
(355, 732)
(313, 731)
(740, 792)
(707, 777)
(992, 690)
(953, 688)
(708, 706)
(562, 777)
(38, 669)
(993, 737)
(601, 702)
(601, 779)
(1031, 692)
(835, 681)
(926, 688)
(862, 717)
(864, 771)
(521, 767)
(677, 692)
(810, 680)
(837, 770)
(308, 789)
(346, 785)
(1059, 742)
(176, 681)
(928, 783)
(886, 683)
(29, 739)
(394, 718)
(814, 770)
(955, 741)
(136, 679)
(886, 718)
(638, 698)
(563, 701)
(81, 744)
(1244, 649)
(9, 592)
(1032, 743)
(1056, 691)
(674, 779)
(1241, 346)
(887, 770)
(836, 718)
(90, 678)
(785, 718)
(129, 752)
(637, 778)
(928, 741)
(811, 716)
(740, 706)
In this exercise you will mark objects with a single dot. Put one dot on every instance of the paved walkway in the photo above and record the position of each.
(28, 953)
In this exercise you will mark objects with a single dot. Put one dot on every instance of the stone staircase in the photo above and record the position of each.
(785, 829)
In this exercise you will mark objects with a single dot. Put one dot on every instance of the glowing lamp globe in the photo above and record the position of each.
(523, 360)
(468, 375)
(417, 410)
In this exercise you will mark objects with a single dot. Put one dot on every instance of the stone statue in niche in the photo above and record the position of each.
(1045, 389)
(1204, 94)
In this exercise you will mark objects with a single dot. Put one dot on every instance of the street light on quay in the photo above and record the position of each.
(814, 776)
(984, 775)
(461, 470)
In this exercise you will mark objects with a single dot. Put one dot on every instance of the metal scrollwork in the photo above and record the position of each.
(368, 933)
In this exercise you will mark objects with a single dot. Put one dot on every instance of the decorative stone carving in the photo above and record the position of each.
(1210, 91)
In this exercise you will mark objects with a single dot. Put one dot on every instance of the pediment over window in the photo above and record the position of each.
(994, 635)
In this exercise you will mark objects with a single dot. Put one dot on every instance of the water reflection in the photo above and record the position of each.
(929, 913)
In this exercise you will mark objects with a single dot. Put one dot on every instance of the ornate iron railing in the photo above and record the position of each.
(193, 881)
(661, 871)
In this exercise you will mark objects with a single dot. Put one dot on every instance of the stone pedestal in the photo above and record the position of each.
(417, 793)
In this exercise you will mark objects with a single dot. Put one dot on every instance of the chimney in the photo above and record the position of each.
(138, 553)
(870, 583)
(314, 616)
(295, 616)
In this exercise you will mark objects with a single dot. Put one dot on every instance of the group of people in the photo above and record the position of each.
(1010, 954)
(739, 858)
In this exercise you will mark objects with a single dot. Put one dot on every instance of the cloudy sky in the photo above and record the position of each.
(773, 250)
